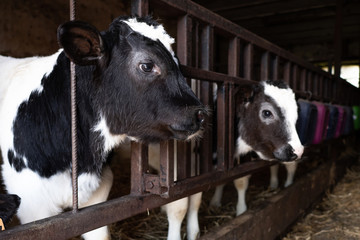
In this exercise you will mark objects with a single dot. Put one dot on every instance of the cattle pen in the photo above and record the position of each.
(216, 52)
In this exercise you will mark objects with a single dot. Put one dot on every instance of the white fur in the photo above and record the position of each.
(111, 140)
(177, 210)
(43, 197)
(285, 99)
(153, 32)
(18, 79)
(241, 185)
(290, 169)
(242, 147)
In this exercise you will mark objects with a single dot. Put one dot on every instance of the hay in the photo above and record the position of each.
(337, 217)
(154, 225)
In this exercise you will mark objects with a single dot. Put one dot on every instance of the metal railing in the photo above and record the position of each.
(217, 57)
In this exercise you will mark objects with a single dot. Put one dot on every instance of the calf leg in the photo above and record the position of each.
(241, 185)
(192, 216)
(216, 199)
(291, 169)
(175, 213)
(100, 195)
(274, 181)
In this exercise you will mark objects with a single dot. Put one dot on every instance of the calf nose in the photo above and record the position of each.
(293, 156)
(285, 153)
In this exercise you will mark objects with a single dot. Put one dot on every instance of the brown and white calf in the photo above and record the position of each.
(267, 114)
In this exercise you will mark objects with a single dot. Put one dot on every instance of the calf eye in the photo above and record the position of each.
(266, 114)
(146, 67)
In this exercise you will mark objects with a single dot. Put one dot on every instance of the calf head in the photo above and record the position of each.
(268, 114)
(139, 89)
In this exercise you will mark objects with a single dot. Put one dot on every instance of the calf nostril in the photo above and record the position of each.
(293, 156)
(200, 116)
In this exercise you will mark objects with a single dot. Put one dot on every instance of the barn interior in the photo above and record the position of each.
(325, 33)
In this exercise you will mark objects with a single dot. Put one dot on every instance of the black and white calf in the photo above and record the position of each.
(267, 114)
(267, 126)
(128, 86)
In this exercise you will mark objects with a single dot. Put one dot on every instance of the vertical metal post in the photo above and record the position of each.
(275, 67)
(139, 152)
(249, 61)
(73, 122)
(294, 77)
(303, 75)
(184, 53)
(287, 72)
(265, 66)
(233, 70)
(139, 164)
(338, 37)
(206, 96)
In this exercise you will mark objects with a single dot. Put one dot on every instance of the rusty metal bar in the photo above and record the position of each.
(184, 50)
(222, 127)
(321, 86)
(66, 225)
(287, 72)
(139, 152)
(309, 82)
(206, 96)
(338, 37)
(212, 76)
(294, 77)
(276, 66)
(166, 165)
(303, 76)
(228, 27)
(139, 164)
(74, 159)
(316, 84)
(233, 70)
(140, 7)
(265, 66)
(249, 61)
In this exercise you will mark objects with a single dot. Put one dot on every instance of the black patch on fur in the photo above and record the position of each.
(278, 83)
(16, 162)
(135, 103)
(9, 204)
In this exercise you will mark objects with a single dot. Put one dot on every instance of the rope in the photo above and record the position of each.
(73, 122)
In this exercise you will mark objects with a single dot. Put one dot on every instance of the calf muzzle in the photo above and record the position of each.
(190, 127)
(285, 153)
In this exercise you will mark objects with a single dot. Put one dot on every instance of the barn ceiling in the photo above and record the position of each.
(306, 28)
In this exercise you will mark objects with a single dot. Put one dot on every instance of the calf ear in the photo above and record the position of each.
(81, 41)
(245, 94)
